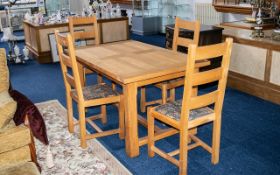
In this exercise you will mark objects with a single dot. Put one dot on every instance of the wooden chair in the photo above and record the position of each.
(196, 110)
(88, 96)
(172, 84)
(85, 29)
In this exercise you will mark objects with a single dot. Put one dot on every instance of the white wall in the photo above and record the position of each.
(227, 17)
(203, 1)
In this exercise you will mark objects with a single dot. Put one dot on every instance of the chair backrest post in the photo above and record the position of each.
(194, 78)
(188, 25)
(223, 82)
(67, 56)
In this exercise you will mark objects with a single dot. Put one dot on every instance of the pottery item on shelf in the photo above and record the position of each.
(28, 17)
(17, 54)
(16, 50)
(118, 11)
(58, 16)
(36, 19)
(8, 35)
(113, 12)
(25, 53)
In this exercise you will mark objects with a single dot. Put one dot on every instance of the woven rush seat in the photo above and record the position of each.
(173, 110)
(96, 92)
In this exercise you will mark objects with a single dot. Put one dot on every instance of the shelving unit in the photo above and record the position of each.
(17, 13)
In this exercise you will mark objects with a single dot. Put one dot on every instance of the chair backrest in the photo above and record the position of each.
(194, 78)
(84, 28)
(68, 62)
(188, 25)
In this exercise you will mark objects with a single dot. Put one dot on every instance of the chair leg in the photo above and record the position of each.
(183, 156)
(216, 141)
(113, 86)
(82, 121)
(121, 119)
(103, 114)
(151, 134)
(143, 99)
(172, 94)
(70, 113)
(164, 93)
(33, 149)
(99, 79)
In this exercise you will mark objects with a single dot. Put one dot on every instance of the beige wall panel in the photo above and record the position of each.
(114, 31)
(248, 60)
(275, 68)
(44, 37)
(27, 34)
(33, 39)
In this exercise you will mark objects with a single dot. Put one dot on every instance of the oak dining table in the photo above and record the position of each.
(134, 64)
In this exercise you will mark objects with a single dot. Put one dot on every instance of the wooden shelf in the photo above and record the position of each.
(232, 9)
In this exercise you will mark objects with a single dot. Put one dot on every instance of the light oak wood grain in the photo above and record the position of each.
(133, 64)
(190, 102)
(177, 41)
(74, 83)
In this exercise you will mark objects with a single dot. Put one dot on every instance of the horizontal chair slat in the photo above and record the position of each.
(204, 100)
(84, 35)
(186, 24)
(210, 51)
(70, 79)
(66, 60)
(205, 77)
(82, 21)
(184, 41)
(62, 41)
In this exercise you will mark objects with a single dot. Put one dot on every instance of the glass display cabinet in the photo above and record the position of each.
(164, 10)
(16, 12)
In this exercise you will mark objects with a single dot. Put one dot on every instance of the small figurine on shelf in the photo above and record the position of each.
(36, 19)
(17, 54)
(103, 11)
(41, 18)
(58, 16)
(109, 7)
(25, 53)
(118, 11)
(90, 11)
(258, 30)
(28, 17)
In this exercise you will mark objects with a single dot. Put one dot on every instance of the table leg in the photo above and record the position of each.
(131, 122)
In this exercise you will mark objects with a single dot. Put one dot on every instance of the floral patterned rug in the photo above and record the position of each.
(68, 157)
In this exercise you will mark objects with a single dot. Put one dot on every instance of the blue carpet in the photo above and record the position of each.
(250, 129)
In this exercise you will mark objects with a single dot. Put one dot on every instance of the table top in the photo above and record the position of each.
(132, 61)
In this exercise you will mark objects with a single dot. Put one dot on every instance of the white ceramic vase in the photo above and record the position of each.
(25, 53)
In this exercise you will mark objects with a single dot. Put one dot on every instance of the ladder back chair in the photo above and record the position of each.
(85, 29)
(177, 41)
(193, 111)
(88, 96)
